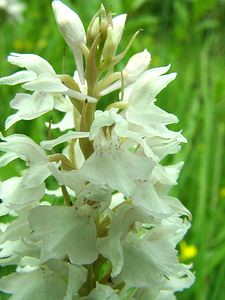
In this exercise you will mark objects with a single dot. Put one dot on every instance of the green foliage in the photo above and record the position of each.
(188, 34)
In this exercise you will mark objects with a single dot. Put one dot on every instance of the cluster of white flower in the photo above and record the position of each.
(12, 8)
(115, 236)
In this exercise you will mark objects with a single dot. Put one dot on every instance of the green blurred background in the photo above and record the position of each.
(191, 36)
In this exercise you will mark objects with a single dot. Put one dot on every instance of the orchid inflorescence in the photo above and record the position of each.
(115, 234)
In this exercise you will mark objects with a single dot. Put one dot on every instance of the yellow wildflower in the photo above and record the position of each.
(222, 192)
(21, 45)
(187, 251)
(42, 43)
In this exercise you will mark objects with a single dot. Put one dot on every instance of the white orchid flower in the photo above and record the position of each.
(136, 65)
(45, 282)
(110, 159)
(40, 78)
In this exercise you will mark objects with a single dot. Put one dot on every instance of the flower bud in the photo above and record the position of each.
(136, 65)
(72, 30)
(110, 46)
(93, 31)
(104, 28)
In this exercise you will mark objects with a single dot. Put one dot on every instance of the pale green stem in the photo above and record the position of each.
(66, 196)
(87, 117)
(72, 153)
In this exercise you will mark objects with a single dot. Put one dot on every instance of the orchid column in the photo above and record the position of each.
(114, 234)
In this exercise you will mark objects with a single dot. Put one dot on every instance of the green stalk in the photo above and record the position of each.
(66, 196)
(88, 109)
(87, 117)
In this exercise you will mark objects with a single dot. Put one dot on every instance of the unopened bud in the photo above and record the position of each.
(72, 30)
(104, 28)
(103, 11)
(136, 65)
(93, 31)
(110, 46)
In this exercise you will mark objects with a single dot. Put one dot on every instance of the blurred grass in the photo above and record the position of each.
(189, 35)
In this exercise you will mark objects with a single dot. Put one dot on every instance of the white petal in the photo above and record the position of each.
(95, 193)
(36, 175)
(150, 115)
(118, 26)
(29, 107)
(155, 72)
(113, 87)
(7, 158)
(146, 263)
(3, 227)
(112, 249)
(145, 196)
(62, 103)
(141, 141)
(11, 120)
(18, 228)
(31, 62)
(142, 81)
(16, 196)
(171, 230)
(56, 193)
(7, 249)
(165, 295)
(167, 175)
(82, 85)
(28, 264)
(65, 124)
(136, 65)
(70, 179)
(163, 146)
(103, 292)
(43, 284)
(145, 90)
(80, 96)
(63, 138)
(25, 148)
(184, 279)
(46, 83)
(148, 293)
(19, 77)
(63, 232)
(153, 131)
(77, 276)
(117, 169)
(127, 93)
(106, 118)
(78, 56)
(117, 199)
(176, 206)
(111, 246)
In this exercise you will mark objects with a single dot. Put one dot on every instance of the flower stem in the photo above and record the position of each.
(66, 196)
(87, 117)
